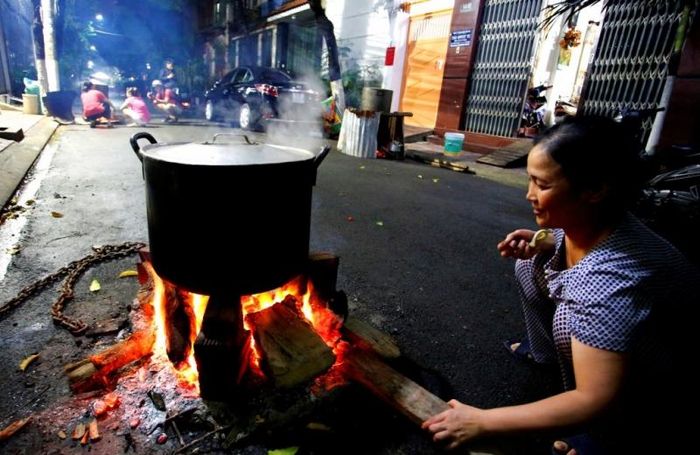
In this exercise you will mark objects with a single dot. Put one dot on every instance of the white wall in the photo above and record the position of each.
(364, 30)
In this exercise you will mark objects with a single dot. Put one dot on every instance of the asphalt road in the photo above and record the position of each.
(417, 247)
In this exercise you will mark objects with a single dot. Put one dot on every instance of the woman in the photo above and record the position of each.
(603, 296)
(96, 105)
(134, 107)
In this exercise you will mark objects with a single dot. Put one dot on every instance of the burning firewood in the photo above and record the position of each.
(78, 432)
(93, 431)
(293, 351)
(13, 428)
(93, 373)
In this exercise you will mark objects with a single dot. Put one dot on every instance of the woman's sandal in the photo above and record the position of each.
(522, 352)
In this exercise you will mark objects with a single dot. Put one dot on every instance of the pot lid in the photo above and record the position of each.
(226, 154)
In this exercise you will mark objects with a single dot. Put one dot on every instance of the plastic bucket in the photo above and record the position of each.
(30, 104)
(453, 142)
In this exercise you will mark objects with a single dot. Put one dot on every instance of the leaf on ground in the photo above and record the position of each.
(380, 223)
(57, 214)
(287, 451)
(420, 176)
(362, 167)
(30, 202)
(14, 250)
(62, 434)
(436, 180)
(26, 361)
(127, 273)
(95, 285)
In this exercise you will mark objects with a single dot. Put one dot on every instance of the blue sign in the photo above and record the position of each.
(461, 38)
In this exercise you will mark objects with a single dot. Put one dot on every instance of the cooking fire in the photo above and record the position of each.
(248, 352)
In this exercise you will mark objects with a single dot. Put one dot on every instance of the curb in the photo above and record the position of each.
(17, 159)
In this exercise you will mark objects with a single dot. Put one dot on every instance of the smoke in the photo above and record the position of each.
(304, 123)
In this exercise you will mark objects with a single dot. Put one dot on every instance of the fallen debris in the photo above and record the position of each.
(26, 361)
(13, 428)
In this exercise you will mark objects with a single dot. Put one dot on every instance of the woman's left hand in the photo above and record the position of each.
(455, 426)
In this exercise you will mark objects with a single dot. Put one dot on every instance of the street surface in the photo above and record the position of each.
(417, 249)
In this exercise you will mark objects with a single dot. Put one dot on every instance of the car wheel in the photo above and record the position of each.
(245, 117)
(210, 112)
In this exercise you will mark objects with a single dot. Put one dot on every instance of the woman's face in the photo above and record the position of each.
(554, 203)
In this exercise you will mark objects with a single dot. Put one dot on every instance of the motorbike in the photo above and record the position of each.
(532, 120)
(670, 199)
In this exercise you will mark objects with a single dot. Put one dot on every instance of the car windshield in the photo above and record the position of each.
(274, 76)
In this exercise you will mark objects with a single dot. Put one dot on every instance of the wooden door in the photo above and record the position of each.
(428, 37)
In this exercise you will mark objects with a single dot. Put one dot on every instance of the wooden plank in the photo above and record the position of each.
(400, 392)
(512, 155)
(359, 332)
(395, 389)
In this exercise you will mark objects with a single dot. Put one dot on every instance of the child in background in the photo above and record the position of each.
(134, 107)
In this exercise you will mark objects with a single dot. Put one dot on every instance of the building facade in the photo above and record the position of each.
(467, 65)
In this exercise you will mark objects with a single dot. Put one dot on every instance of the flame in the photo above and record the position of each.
(324, 321)
(185, 371)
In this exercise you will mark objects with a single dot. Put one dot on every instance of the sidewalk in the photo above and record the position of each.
(419, 147)
(464, 161)
(16, 158)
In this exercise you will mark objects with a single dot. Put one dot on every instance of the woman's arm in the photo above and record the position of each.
(598, 374)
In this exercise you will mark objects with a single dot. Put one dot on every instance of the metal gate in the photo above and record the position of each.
(502, 66)
(631, 60)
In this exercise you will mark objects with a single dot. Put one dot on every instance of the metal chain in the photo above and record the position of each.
(73, 271)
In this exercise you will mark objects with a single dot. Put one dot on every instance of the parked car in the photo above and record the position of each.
(249, 95)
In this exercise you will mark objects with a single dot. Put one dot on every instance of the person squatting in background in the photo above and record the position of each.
(164, 99)
(134, 107)
(605, 298)
(96, 105)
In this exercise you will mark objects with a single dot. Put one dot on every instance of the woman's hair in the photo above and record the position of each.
(132, 91)
(87, 85)
(596, 152)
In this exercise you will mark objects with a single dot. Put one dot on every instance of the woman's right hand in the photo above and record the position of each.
(517, 245)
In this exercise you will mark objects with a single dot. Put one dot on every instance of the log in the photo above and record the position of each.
(395, 389)
(93, 373)
(179, 323)
(293, 351)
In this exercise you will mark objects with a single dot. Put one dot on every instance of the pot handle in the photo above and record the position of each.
(322, 154)
(135, 145)
(247, 139)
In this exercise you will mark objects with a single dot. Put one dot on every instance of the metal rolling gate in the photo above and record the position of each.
(630, 64)
(502, 66)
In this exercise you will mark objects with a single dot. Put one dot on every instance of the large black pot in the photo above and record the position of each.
(230, 218)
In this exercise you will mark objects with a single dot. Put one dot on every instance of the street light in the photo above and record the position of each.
(99, 17)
